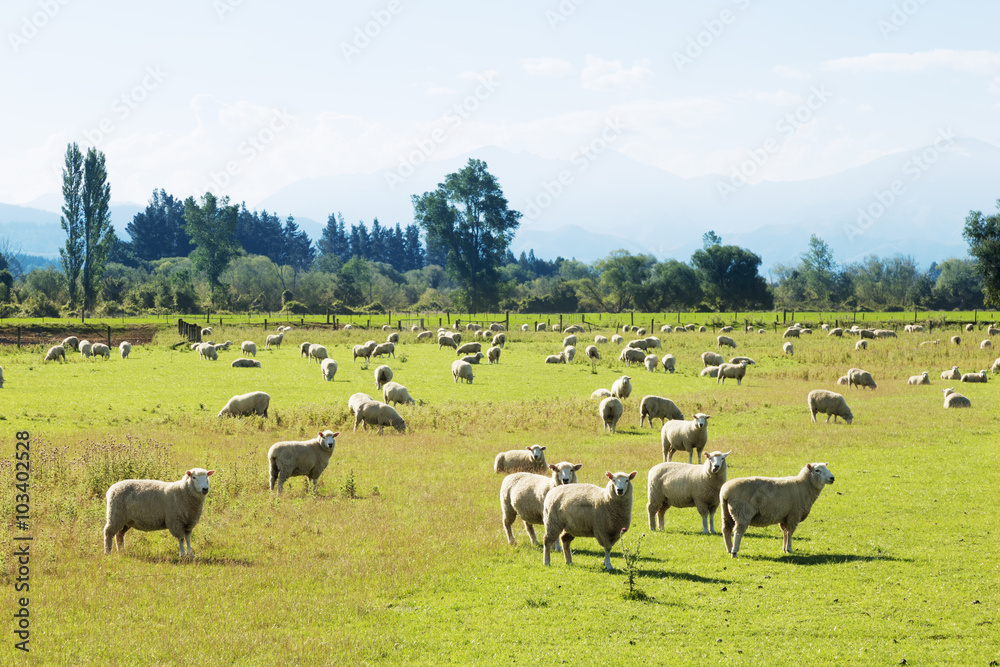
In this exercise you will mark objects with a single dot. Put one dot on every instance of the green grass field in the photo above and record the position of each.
(897, 561)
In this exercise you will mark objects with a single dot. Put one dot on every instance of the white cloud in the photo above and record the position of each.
(610, 75)
(477, 76)
(864, 108)
(790, 73)
(434, 91)
(977, 62)
(546, 66)
(781, 98)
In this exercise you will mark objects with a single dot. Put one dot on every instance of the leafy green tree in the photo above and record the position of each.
(98, 234)
(819, 271)
(982, 233)
(674, 286)
(71, 255)
(468, 215)
(158, 230)
(211, 226)
(729, 277)
(624, 279)
(297, 251)
(958, 285)
(334, 240)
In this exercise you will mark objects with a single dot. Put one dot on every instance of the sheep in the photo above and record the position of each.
(245, 363)
(829, 403)
(601, 393)
(457, 337)
(586, 510)
(388, 327)
(761, 331)
(732, 371)
(622, 387)
(472, 358)
(356, 401)
(525, 327)
(529, 459)
(690, 436)
(953, 374)
(953, 400)
(617, 340)
(957, 340)
(986, 344)
(393, 392)
(149, 504)
(298, 458)
(70, 342)
(461, 370)
(574, 328)
(683, 485)
(392, 338)
(275, 340)
(791, 332)
(208, 351)
(836, 331)
(765, 501)
(974, 377)
(725, 329)
(995, 368)
(374, 413)
(423, 335)
(556, 358)
(102, 350)
(923, 378)
(610, 411)
(600, 339)
(742, 360)
(207, 331)
(447, 341)
(522, 494)
(638, 344)
(993, 331)
(249, 347)
(569, 340)
(382, 375)
(55, 353)
(570, 353)
(918, 328)
(658, 407)
(363, 351)
(788, 349)
(630, 355)
(668, 362)
(223, 346)
(124, 348)
(497, 327)
(194, 346)
(970, 327)
(1, 378)
(254, 403)
(861, 379)
(592, 353)
(385, 349)
(318, 352)
(540, 326)
(283, 328)
(469, 348)
(861, 345)
(304, 350)
(866, 333)
(710, 371)
(348, 327)
(666, 328)
(640, 331)
(712, 359)
(930, 342)
(626, 328)
(844, 380)
(680, 329)
(328, 367)
(651, 361)
(499, 340)
(493, 355)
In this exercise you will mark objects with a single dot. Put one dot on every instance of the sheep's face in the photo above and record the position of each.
(819, 474)
(536, 452)
(849, 417)
(328, 440)
(198, 480)
(700, 420)
(716, 461)
(565, 472)
(620, 482)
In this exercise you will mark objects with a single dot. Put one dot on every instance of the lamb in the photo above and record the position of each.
(275, 340)
(622, 387)
(570, 353)
(245, 363)
(765, 501)
(522, 494)
(304, 350)
(685, 436)
(923, 378)
(393, 392)
(461, 370)
(254, 403)
(493, 355)
(682, 485)
(630, 355)
(861, 378)
(975, 377)
(385, 349)
(569, 340)
(223, 346)
(556, 358)
(651, 361)
(328, 367)
(297, 458)
(861, 345)
(658, 407)
(363, 351)
(374, 413)
(844, 380)
(601, 393)
(469, 348)
(732, 371)
(668, 362)
(55, 353)
(586, 510)
(957, 340)
(600, 339)
(953, 374)
(382, 375)
(610, 411)
(149, 504)
(499, 340)
(712, 359)
(710, 371)
(207, 351)
(70, 342)
(249, 347)
(124, 348)
(318, 352)
(788, 349)
(953, 400)
(829, 403)
(986, 344)
(617, 340)
(102, 350)
(529, 459)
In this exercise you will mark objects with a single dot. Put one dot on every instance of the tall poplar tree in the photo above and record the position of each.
(98, 234)
(71, 255)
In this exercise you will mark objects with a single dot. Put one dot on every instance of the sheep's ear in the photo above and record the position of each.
(543, 448)
(188, 473)
(553, 468)
(708, 455)
(336, 434)
(528, 448)
(809, 466)
(609, 475)
(321, 434)
(727, 453)
(577, 466)
(633, 474)
(210, 473)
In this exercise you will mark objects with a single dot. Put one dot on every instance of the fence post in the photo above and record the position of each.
(109, 335)
(506, 321)
(265, 324)
(560, 322)
(19, 337)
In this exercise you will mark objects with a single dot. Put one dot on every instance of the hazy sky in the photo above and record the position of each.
(247, 96)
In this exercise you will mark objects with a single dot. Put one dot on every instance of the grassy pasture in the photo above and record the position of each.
(898, 559)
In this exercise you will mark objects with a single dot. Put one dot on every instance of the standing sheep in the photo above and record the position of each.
(970, 327)
(124, 348)
(522, 494)
(70, 342)
(529, 459)
(382, 375)
(610, 410)
(658, 407)
(651, 361)
(791, 332)
(469, 348)
(953, 400)
(317, 352)
(733, 371)
(829, 403)
(986, 344)
(684, 485)
(275, 340)
(328, 367)
(622, 387)
(378, 414)
(860, 378)
(249, 347)
(592, 353)
(304, 349)
(630, 355)
(668, 363)
(570, 353)
(149, 504)
(957, 340)
(923, 378)
(600, 339)
(393, 392)
(617, 340)
(393, 338)
(55, 353)
(363, 351)
(569, 340)
(788, 349)
(685, 436)
(1, 378)
(472, 359)
(207, 351)
(861, 345)
(499, 340)
(710, 371)
(253, 403)
(765, 501)
(296, 458)
(84, 348)
(586, 510)
(461, 370)
(493, 355)
(102, 350)
(711, 359)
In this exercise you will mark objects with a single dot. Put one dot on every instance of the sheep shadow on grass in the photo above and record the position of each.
(198, 560)
(823, 559)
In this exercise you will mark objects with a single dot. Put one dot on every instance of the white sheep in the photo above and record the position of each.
(556, 358)
(393, 392)
(348, 327)
(986, 344)
(525, 327)
(742, 360)
(328, 367)
(149, 504)
(569, 340)
(124, 348)
(632, 355)
(684, 485)
(709, 371)
(844, 380)
(970, 327)
(668, 362)
(726, 329)
(102, 350)
(245, 363)
(297, 458)
(447, 340)
(953, 374)
(540, 326)
(363, 351)
(461, 370)
(55, 353)
(600, 339)
(861, 345)
(586, 510)
(570, 353)
(622, 387)
(304, 349)
(469, 348)
(658, 407)
(791, 332)
(638, 344)
(70, 342)
(712, 359)
(499, 340)
(249, 347)
(651, 361)
(617, 340)
(995, 368)
(836, 331)
(957, 340)
(923, 378)
(574, 328)
(529, 459)
(522, 494)
(601, 393)
(207, 351)
(318, 352)
(830, 404)
(666, 328)
(610, 411)
(472, 358)
(223, 346)
(382, 375)
(274, 339)
(357, 400)
(1, 378)
(765, 501)
(253, 403)
(423, 335)
(493, 355)
(207, 331)
(974, 377)
(788, 348)
(732, 371)
(375, 413)
(393, 337)
(953, 400)
(684, 436)
(860, 378)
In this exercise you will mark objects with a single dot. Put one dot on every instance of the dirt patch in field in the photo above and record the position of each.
(52, 335)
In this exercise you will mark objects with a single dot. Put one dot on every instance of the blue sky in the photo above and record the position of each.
(246, 96)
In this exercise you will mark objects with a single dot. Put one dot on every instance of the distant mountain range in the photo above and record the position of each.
(914, 203)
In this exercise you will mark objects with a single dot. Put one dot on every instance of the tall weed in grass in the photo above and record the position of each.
(107, 462)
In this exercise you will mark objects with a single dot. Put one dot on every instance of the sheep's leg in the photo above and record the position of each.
(711, 522)
(607, 560)
(109, 537)
(737, 538)
(703, 511)
(728, 522)
(507, 518)
(690, 456)
(273, 474)
(528, 528)
(653, 512)
(566, 538)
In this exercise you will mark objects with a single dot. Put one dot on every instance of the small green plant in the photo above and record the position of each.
(632, 571)
(350, 488)
(402, 357)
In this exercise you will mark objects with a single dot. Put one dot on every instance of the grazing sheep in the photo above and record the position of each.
(328, 367)
(658, 407)
(385, 349)
(469, 348)
(102, 350)
(574, 328)
(666, 328)
(600, 339)
(732, 371)
(957, 340)
(497, 327)
(522, 494)
(685, 436)
(986, 344)
(970, 327)
(207, 331)
(592, 353)
(586, 510)
(622, 387)
(556, 358)
(762, 331)
(55, 353)
(1, 378)
(726, 329)
(304, 350)
(393, 392)
(710, 371)
(791, 332)
(348, 327)
(207, 351)
(617, 340)
(275, 340)
(374, 413)
(493, 355)
(423, 335)
(860, 378)
(610, 410)
(149, 504)
(923, 378)
(651, 361)
(680, 329)
(461, 370)
(701, 329)
(726, 340)
(386, 327)
(712, 359)
(529, 459)
(953, 374)
(254, 403)
(742, 360)
(540, 326)
(866, 333)
(641, 331)
(357, 400)
(829, 403)
(457, 337)
(861, 345)
(638, 344)
(318, 352)
(223, 346)
(995, 368)
(632, 355)
(363, 351)
(601, 393)
(885, 333)
(626, 328)
(382, 375)
(836, 331)
(569, 340)
(917, 328)
(525, 327)
(974, 377)
(668, 362)
(245, 363)
(499, 340)
(930, 342)
(297, 458)
(684, 485)
(993, 331)
(570, 353)
(652, 342)
(124, 348)
(249, 347)
(788, 349)
(392, 338)
(765, 501)
(70, 342)
(194, 346)
(953, 400)
(446, 340)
